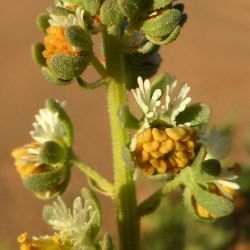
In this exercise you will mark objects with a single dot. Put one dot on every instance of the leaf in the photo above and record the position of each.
(127, 119)
(42, 22)
(68, 67)
(48, 75)
(96, 222)
(217, 205)
(150, 204)
(127, 157)
(163, 24)
(196, 114)
(161, 81)
(37, 56)
(56, 107)
(43, 182)
(78, 38)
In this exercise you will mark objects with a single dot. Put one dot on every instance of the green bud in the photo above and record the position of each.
(129, 7)
(159, 4)
(78, 38)
(211, 167)
(48, 75)
(110, 13)
(52, 153)
(42, 22)
(163, 24)
(196, 114)
(68, 67)
(36, 52)
(92, 6)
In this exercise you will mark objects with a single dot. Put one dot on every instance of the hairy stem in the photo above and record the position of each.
(125, 196)
(102, 182)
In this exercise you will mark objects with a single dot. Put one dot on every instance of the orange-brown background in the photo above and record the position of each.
(212, 54)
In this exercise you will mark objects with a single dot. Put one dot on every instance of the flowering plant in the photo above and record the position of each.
(171, 142)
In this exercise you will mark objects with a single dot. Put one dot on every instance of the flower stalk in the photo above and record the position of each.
(125, 197)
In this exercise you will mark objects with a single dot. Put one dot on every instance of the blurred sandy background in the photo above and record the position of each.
(212, 54)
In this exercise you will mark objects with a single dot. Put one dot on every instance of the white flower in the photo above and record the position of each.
(48, 127)
(74, 224)
(147, 101)
(217, 145)
(173, 107)
(71, 19)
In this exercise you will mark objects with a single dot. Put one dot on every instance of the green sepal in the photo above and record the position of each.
(127, 119)
(149, 205)
(210, 169)
(42, 22)
(110, 14)
(78, 38)
(195, 114)
(59, 11)
(128, 157)
(170, 38)
(96, 222)
(161, 81)
(91, 6)
(46, 181)
(161, 177)
(217, 205)
(158, 4)
(37, 56)
(107, 243)
(200, 157)
(52, 153)
(55, 107)
(68, 67)
(187, 200)
(48, 75)
(129, 7)
(162, 24)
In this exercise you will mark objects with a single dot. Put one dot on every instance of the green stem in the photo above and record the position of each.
(125, 196)
(102, 182)
(98, 66)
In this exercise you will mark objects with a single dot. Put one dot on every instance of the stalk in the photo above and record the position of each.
(125, 195)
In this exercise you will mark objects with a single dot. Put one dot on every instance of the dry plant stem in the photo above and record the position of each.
(125, 196)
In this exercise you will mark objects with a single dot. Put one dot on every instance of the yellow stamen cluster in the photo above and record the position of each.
(160, 151)
(25, 168)
(39, 243)
(55, 43)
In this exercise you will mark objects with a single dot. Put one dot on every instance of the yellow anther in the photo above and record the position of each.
(162, 167)
(179, 146)
(151, 146)
(156, 155)
(148, 169)
(144, 156)
(176, 133)
(190, 144)
(181, 155)
(180, 163)
(159, 135)
(171, 161)
(140, 138)
(166, 146)
(22, 238)
(147, 135)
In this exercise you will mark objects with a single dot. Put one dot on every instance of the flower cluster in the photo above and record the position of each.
(76, 228)
(42, 164)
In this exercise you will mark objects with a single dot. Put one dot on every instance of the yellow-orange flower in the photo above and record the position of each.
(168, 150)
(55, 43)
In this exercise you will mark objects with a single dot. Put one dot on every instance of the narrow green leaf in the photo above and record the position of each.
(127, 119)
(37, 56)
(196, 114)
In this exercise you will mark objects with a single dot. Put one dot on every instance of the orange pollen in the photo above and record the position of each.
(160, 151)
(55, 43)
